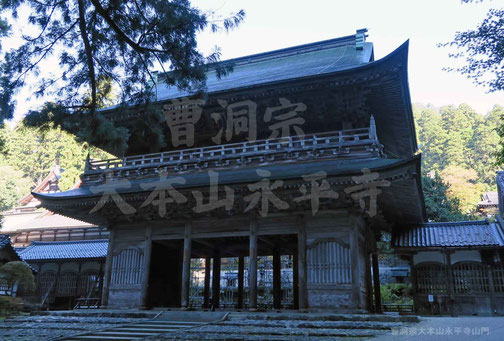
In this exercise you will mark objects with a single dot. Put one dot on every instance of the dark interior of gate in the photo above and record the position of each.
(219, 276)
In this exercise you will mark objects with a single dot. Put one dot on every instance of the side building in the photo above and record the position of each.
(64, 252)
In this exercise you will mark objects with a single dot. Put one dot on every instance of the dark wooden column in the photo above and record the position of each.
(376, 281)
(449, 276)
(354, 259)
(252, 275)
(216, 280)
(369, 284)
(302, 282)
(78, 278)
(206, 288)
(241, 275)
(277, 280)
(295, 280)
(186, 266)
(100, 278)
(108, 270)
(146, 267)
(414, 279)
(493, 303)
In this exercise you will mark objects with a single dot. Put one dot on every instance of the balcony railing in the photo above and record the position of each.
(351, 143)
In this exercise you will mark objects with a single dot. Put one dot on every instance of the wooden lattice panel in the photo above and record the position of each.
(470, 277)
(431, 278)
(328, 262)
(127, 267)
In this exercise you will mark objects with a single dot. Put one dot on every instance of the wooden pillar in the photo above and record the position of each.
(186, 266)
(253, 266)
(354, 259)
(414, 280)
(56, 281)
(206, 288)
(376, 281)
(493, 304)
(295, 280)
(100, 279)
(78, 279)
(449, 276)
(302, 282)
(216, 280)
(277, 280)
(108, 270)
(241, 275)
(144, 294)
(369, 283)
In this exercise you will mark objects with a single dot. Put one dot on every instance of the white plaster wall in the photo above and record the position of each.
(72, 267)
(91, 266)
(437, 256)
(49, 267)
(466, 255)
(428, 256)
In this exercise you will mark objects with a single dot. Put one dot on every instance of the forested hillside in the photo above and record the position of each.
(460, 145)
(28, 155)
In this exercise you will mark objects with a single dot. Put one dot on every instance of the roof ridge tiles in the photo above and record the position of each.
(69, 242)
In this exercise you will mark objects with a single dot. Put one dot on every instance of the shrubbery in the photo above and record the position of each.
(10, 305)
(396, 293)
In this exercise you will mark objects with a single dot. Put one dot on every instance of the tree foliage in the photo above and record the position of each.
(19, 272)
(461, 148)
(30, 155)
(13, 185)
(482, 49)
(120, 41)
(439, 205)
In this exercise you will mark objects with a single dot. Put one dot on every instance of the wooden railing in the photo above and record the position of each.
(361, 142)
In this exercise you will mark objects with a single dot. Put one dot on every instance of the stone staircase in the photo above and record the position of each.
(198, 325)
(165, 323)
(293, 326)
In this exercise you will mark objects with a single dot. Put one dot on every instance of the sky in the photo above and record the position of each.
(271, 25)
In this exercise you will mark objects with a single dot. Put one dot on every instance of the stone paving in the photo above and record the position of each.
(53, 327)
(236, 326)
(462, 328)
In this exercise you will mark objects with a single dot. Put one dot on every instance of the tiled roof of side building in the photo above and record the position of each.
(4, 240)
(84, 249)
(465, 234)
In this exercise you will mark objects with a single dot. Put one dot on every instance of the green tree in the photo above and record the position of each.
(440, 207)
(19, 272)
(13, 186)
(463, 186)
(34, 153)
(482, 49)
(96, 40)
(485, 147)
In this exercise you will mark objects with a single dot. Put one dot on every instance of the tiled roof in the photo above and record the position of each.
(4, 240)
(489, 199)
(65, 250)
(454, 234)
(43, 221)
(295, 62)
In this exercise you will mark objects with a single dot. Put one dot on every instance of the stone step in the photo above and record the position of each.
(313, 324)
(99, 337)
(146, 330)
(266, 331)
(323, 317)
(157, 326)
